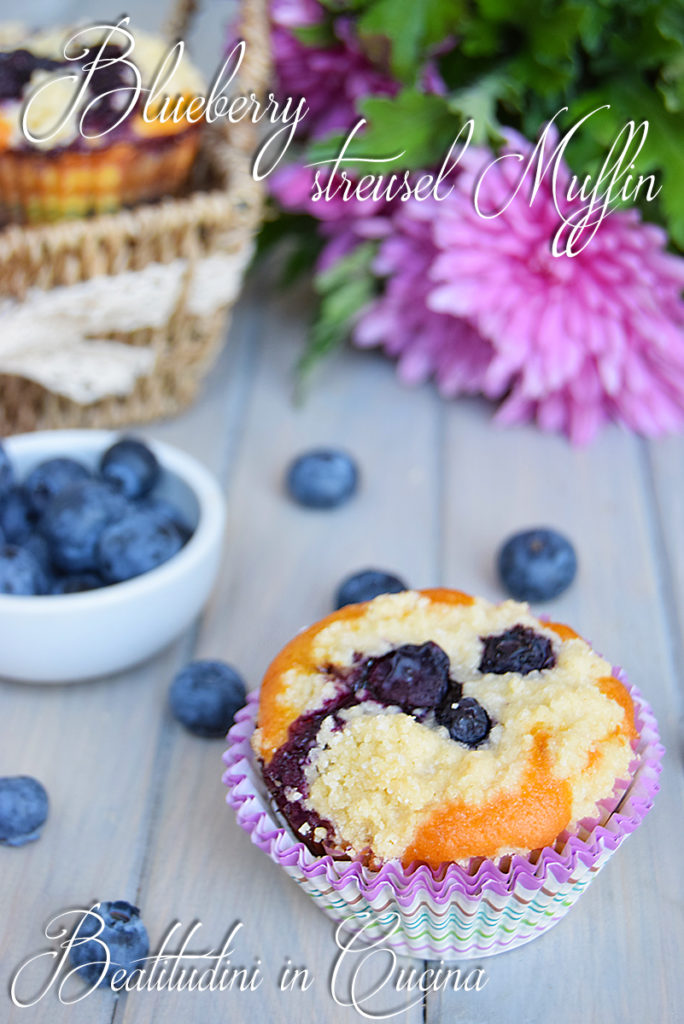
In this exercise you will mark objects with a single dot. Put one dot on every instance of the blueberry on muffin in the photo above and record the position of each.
(433, 726)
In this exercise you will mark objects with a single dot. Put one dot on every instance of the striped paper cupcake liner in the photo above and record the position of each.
(454, 912)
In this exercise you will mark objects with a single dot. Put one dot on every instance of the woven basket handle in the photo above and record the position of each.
(180, 19)
(253, 27)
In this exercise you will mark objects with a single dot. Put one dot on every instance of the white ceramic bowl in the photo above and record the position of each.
(70, 637)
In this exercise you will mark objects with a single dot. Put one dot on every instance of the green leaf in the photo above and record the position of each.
(345, 289)
(296, 234)
(320, 34)
(410, 28)
(414, 128)
(480, 101)
(342, 6)
(662, 150)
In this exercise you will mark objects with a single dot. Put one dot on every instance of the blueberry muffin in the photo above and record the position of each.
(67, 174)
(436, 727)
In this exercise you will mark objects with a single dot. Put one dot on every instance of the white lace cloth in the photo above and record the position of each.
(56, 337)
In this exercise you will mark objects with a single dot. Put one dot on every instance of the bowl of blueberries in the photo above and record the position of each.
(109, 548)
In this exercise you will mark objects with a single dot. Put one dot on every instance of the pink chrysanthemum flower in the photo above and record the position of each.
(425, 342)
(343, 224)
(333, 78)
(577, 341)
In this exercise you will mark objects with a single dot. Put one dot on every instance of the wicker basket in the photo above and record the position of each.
(215, 221)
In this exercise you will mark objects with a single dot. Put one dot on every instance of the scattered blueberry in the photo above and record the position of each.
(20, 573)
(519, 649)
(136, 543)
(205, 696)
(119, 926)
(412, 676)
(23, 809)
(74, 520)
(130, 467)
(78, 583)
(322, 478)
(466, 720)
(49, 478)
(365, 585)
(16, 516)
(6, 472)
(536, 565)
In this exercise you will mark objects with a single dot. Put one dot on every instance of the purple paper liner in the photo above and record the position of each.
(559, 872)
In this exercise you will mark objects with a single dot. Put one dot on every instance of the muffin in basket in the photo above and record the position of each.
(441, 771)
(65, 149)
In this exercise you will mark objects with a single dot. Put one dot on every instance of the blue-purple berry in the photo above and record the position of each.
(366, 585)
(164, 509)
(49, 478)
(74, 521)
(135, 544)
(78, 583)
(537, 565)
(323, 478)
(119, 926)
(130, 467)
(17, 519)
(23, 809)
(20, 573)
(205, 695)
(6, 472)
(519, 649)
(466, 720)
(412, 676)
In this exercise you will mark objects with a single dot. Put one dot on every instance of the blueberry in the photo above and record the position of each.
(20, 573)
(519, 649)
(536, 565)
(412, 676)
(205, 695)
(49, 478)
(23, 809)
(163, 508)
(322, 478)
(16, 68)
(119, 927)
(466, 720)
(40, 549)
(16, 516)
(77, 584)
(365, 585)
(74, 520)
(6, 472)
(133, 545)
(130, 467)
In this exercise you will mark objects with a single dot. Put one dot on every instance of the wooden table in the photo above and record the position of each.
(137, 804)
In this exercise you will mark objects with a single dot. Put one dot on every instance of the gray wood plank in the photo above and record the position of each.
(281, 566)
(611, 959)
(664, 488)
(99, 747)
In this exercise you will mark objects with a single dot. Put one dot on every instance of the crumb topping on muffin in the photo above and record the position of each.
(434, 726)
(33, 66)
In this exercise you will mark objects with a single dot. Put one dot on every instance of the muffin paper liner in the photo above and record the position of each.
(456, 911)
